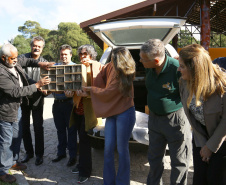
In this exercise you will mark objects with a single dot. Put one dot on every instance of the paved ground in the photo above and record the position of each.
(58, 173)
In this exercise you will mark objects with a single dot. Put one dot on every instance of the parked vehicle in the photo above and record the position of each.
(132, 33)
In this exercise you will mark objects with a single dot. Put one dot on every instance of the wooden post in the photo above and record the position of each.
(205, 24)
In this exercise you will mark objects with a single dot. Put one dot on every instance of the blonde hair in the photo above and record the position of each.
(205, 77)
(124, 66)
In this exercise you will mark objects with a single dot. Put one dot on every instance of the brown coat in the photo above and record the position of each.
(105, 95)
(214, 110)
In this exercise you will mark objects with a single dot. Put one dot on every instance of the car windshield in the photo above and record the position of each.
(135, 36)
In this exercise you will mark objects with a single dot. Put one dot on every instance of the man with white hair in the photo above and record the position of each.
(168, 123)
(13, 86)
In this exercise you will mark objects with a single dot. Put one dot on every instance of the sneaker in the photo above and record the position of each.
(82, 179)
(75, 170)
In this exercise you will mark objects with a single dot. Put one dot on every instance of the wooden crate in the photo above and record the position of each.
(65, 77)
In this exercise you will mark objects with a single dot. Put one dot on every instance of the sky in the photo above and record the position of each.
(49, 13)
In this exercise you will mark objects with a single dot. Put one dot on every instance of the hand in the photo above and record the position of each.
(205, 153)
(45, 92)
(86, 88)
(86, 62)
(69, 94)
(44, 81)
(81, 93)
(176, 57)
(46, 65)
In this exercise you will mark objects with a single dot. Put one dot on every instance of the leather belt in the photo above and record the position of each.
(63, 100)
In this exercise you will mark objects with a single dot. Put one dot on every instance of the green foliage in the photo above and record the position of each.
(4, 183)
(67, 33)
(185, 38)
(22, 44)
(217, 40)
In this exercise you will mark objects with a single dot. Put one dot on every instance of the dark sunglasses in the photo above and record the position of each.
(83, 54)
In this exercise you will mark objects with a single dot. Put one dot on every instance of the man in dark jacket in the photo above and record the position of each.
(36, 102)
(13, 86)
(221, 61)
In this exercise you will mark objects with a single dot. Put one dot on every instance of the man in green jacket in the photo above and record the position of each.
(168, 123)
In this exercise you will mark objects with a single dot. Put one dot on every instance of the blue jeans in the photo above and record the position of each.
(10, 140)
(118, 130)
(6, 153)
(67, 137)
(17, 136)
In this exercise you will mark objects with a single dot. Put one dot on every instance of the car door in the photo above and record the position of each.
(133, 32)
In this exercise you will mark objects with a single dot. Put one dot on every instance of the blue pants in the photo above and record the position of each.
(17, 136)
(10, 140)
(6, 148)
(118, 130)
(66, 136)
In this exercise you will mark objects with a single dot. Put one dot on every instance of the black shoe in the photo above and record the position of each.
(82, 179)
(39, 160)
(58, 158)
(27, 157)
(71, 162)
(75, 170)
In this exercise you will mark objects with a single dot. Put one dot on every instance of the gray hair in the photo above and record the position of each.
(38, 38)
(153, 48)
(66, 46)
(6, 50)
(90, 49)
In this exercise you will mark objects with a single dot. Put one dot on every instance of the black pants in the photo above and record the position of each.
(213, 173)
(37, 115)
(85, 157)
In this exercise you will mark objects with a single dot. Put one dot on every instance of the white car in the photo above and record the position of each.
(132, 33)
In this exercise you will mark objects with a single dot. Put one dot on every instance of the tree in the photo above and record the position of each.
(217, 40)
(185, 38)
(33, 28)
(22, 44)
(67, 33)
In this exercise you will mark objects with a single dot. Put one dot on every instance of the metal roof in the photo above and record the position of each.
(217, 16)
(183, 8)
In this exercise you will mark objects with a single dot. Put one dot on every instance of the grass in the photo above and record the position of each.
(4, 183)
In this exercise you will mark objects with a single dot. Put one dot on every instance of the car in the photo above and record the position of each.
(132, 33)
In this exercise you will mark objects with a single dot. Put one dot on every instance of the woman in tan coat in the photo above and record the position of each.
(202, 89)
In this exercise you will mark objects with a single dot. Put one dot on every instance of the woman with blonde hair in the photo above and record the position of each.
(202, 89)
(115, 102)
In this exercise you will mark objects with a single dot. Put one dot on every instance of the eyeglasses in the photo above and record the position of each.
(83, 54)
(143, 60)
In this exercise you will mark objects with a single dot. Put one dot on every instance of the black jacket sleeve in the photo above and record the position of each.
(27, 62)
